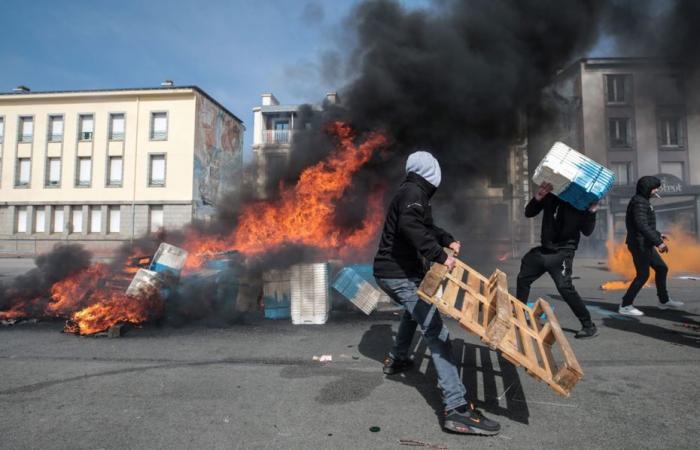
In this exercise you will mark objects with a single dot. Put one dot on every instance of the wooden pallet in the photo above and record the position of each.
(484, 307)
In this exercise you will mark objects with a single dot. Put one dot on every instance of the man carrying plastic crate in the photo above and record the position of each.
(562, 225)
(409, 241)
(642, 237)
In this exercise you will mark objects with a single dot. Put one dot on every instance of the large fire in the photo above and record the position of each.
(304, 214)
(683, 257)
(94, 299)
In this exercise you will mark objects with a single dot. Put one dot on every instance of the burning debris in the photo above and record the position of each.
(133, 289)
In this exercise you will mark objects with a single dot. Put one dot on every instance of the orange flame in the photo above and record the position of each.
(304, 213)
(683, 256)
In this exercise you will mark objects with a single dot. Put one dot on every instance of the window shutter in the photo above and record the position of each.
(54, 170)
(24, 171)
(115, 170)
(85, 167)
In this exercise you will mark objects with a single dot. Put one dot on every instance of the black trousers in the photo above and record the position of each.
(559, 265)
(644, 258)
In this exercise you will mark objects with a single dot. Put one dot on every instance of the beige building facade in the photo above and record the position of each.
(104, 167)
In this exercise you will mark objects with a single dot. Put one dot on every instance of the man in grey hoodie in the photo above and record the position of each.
(410, 241)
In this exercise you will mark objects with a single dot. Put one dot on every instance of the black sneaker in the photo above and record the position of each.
(588, 331)
(393, 366)
(469, 420)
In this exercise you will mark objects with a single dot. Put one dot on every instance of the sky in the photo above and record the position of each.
(235, 50)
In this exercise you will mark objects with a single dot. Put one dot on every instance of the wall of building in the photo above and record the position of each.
(174, 196)
(218, 157)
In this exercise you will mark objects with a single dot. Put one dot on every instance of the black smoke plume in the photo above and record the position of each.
(457, 77)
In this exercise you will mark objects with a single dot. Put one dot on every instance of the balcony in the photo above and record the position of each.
(277, 137)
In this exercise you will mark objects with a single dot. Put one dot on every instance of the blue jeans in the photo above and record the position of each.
(437, 337)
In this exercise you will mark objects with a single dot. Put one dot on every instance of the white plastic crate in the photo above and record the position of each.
(309, 294)
(575, 178)
(557, 167)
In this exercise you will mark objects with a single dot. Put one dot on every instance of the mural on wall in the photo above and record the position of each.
(218, 156)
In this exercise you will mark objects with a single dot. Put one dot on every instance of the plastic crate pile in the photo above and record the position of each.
(576, 178)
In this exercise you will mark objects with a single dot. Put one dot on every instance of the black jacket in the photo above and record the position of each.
(640, 218)
(562, 224)
(409, 238)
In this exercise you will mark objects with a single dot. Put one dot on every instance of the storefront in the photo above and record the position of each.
(679, 205)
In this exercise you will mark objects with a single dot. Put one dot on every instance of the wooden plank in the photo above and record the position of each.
(504, 323)
(449, 296)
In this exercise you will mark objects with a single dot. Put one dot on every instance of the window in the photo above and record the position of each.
(76, 220)
(58, 219)
(26, 129)
(2, 129)
(155, 218)
(116, 127)
(40, 220)
(115, 219)
(86, 125)
(618, 88)
(24, 170)
(159, 126)
(22, 219)
(114, 171)
(670, 131)
(619, 130)
(156, 170)
(622, 172)
(673, 168)
(95, 219)
(55, 128)
(84, 171)
(54, 172)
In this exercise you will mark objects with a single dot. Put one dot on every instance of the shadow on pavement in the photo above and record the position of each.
(377, 341)
(677, 335)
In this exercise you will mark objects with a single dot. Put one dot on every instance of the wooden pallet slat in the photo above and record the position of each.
(504, 323)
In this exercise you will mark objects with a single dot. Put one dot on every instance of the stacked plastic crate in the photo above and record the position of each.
(276, 294)
(310, 299)
(576, 178)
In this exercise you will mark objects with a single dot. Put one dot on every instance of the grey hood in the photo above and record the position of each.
(424, 164)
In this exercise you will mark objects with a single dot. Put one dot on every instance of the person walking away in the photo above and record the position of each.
(562, 226)
(645, 243)
(410, 240)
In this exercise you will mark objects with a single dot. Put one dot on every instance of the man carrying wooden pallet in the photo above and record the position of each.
(562, 225)
(409, 242)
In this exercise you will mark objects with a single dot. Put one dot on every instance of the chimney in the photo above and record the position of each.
(167, 83)
(332, 98)
(21, 89)
(269, 100)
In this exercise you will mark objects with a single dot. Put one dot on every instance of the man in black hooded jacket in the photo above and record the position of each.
(642, 237)
(410, 241)
(562, 225)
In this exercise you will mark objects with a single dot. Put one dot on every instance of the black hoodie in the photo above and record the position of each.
(562, 224)
(409, 238)
(640, 218)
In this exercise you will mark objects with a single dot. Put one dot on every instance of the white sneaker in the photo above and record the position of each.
(673, 304)
(629, 311)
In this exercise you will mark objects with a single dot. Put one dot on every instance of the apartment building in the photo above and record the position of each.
(638, 116)
(274, 126)
(101, 167)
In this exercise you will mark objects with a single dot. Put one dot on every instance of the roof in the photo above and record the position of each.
(617, 61)
(124, 90)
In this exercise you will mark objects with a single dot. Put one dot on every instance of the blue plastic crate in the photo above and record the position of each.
(348, 282)
(357, 289)
(277, 313)
(590, 185)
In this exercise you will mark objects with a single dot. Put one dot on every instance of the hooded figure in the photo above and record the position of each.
(640, 218)
(410, 240)
(642, 237)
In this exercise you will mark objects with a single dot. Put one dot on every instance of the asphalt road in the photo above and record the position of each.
(256, 385)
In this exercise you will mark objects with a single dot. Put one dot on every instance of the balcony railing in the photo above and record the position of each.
(277, 136)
